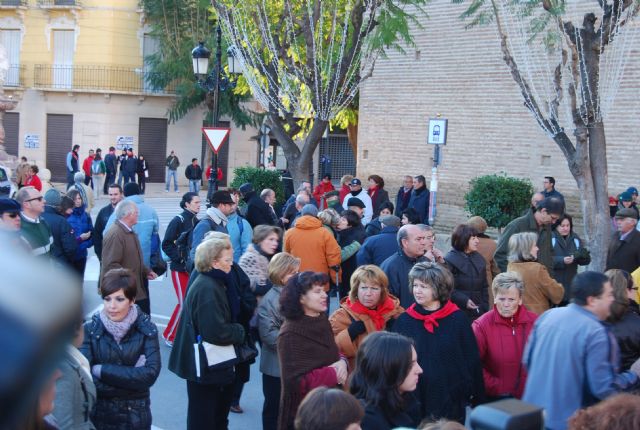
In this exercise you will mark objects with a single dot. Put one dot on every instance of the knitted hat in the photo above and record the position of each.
(52, 197)
(625, 196)
(246, 188)
(131, 189)
(309, 209)
(354, 201)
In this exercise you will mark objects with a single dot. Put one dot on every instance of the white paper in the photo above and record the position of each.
(197, 356)
(218, 354)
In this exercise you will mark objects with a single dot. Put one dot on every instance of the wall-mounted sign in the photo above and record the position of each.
(124, 142)
(437, 132)
(32, 141)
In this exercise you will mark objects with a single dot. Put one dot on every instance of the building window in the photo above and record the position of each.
(63, 48)
(10, 39)
(150, 46)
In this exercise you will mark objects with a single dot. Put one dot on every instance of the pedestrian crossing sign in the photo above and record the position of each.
(216, 136)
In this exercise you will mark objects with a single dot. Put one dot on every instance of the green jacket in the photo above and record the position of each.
(205, 310)
(520, 225)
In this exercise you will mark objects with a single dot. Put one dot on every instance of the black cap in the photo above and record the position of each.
(9, 205)
(220, 197)
(353, 201)
(355, 181)
(131, 189)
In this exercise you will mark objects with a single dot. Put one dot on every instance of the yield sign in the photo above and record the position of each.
(216, 136)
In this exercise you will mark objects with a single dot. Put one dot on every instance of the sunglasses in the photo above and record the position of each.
(12, 215)
(35, 198)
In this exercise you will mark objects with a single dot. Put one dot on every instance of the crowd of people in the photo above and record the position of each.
(418, 337)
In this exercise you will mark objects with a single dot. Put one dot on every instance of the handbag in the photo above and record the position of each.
(158, 265)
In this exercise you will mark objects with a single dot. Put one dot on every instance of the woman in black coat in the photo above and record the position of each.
(121, 345)
(469, 270)
(385, 377)
(566, 255)
(374, 226)
(625, 317)
(142, 169)
(350, 229)
(377, 193)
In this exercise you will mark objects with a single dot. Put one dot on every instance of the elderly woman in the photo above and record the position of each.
(386, 375)
(432, 254)
(255, 261)
(568, 254)
(207, 316)
(624, 319)
(469, 272)
(308, 354)
(281, 268)
(368, 308)
(446, 348)
(540, 289)
(502, 334)
(121, 345)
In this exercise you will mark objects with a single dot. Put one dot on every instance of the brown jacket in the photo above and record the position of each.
(316, 248)
(121, 249)
(342, 318)
(486, 248)
(539, 287)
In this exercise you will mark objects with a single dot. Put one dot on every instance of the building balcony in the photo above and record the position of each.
(100, 79)
(59, 4)
(15, 76)
(13, 4)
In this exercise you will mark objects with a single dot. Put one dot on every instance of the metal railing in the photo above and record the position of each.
(96, 78)
(13, 3)
(59, 3)
(15, 76)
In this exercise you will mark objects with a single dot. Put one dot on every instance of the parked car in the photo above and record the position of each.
(7, 187)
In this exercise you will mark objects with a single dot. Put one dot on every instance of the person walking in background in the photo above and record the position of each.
(121, 158)
(172, 164)
(82, 226)
(404, 195)
(22, 171)
(98, 172)
(142, 171)
(73, 164)
(86, 168)
(129, 167)
(193, 172)
(111, 165)
(419, 199)
(121, 345)
(33, 179)
(568, 253)
(179, 226)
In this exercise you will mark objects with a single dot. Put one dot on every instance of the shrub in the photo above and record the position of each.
(498, 198)
(260, 179)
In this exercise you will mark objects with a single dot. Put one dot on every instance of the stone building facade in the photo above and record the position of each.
(460, 74)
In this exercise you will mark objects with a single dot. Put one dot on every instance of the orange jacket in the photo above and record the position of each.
(314, 245)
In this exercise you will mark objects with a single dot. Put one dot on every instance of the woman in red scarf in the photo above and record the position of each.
(445, 344)
(368, 308)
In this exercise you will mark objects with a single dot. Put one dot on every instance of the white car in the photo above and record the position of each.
(7, 187)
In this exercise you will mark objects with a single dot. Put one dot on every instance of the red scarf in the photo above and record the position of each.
(372, 192)
(431, 320)
(376, 315)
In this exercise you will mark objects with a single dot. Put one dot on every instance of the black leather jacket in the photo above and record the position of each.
(627, 333)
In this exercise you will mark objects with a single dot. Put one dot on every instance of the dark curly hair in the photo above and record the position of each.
(297, 286)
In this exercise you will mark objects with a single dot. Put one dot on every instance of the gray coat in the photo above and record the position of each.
(75, 396)
(269, 322)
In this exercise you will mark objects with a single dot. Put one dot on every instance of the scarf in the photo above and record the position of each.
(231, 291)
(80, 359)
(119, 329)
(377, 315)
(304, 344)
(431, 320)
(372, 192)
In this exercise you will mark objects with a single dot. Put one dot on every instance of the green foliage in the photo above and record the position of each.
(260, 179)
(498, 198)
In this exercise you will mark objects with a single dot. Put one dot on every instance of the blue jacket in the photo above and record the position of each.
(241, 235)
(148, 224)
(420, 202)
(378, 248)
(572, 362)
(64, 242)
(81, 223)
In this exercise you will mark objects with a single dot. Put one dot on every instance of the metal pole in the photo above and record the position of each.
(433, 191)
(215, 111)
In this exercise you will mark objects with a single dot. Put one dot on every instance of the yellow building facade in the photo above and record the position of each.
(77, 72)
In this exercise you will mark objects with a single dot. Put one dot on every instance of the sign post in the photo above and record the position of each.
(437, 136)
(215, 136)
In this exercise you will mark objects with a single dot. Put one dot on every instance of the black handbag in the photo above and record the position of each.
(247, 352)
(158, 265)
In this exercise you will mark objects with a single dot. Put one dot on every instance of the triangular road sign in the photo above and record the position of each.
(216, 136)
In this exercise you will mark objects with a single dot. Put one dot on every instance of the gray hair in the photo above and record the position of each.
(23, 194)
(520, 245)
(208, 251)
(212, 234)
(125, 208)
(424, 227)
(78, 177)
(403, 233)
(302, 199)
(329, 217)
(265, 193)
(506, 280)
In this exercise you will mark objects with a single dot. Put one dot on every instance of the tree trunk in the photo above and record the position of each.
(352, 135)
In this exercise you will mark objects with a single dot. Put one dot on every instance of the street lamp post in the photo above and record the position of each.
(213, 83)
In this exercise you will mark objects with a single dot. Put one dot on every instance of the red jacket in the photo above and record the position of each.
(86, 165)
(34, 181)
(208, 174)
(344, 191)
(501, 343)
(322, 188)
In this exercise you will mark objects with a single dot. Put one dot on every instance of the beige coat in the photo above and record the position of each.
(486, 248)
(540, 289)
(121, 249)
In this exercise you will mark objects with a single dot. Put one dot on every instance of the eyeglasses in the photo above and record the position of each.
(634, 288)
(35, 198)
(433, 237)
(12, 215)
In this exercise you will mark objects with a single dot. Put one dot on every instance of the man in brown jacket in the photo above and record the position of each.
(313, 244)
(121, 249)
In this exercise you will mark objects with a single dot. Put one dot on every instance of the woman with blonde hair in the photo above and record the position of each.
(344, 186)
(540, 289)
(281, 268)
(368, 308)
(624, 319)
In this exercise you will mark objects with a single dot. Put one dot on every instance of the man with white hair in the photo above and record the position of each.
(121, 249)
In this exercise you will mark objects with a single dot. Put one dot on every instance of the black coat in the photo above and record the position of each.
(258, 211)
(379, 197)
(178, 225)
(123, 389)
(345, 238)
(376, 419)
(470, 276)
(111, 163)
(98, 228)
(130, 165)
(627, 333)
(397, 268)
(402, 201)
(64, 241)
(624, 254)
(373, 227)
(193, 173)
(564, 247)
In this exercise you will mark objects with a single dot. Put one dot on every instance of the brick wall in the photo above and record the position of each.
(460, 74)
